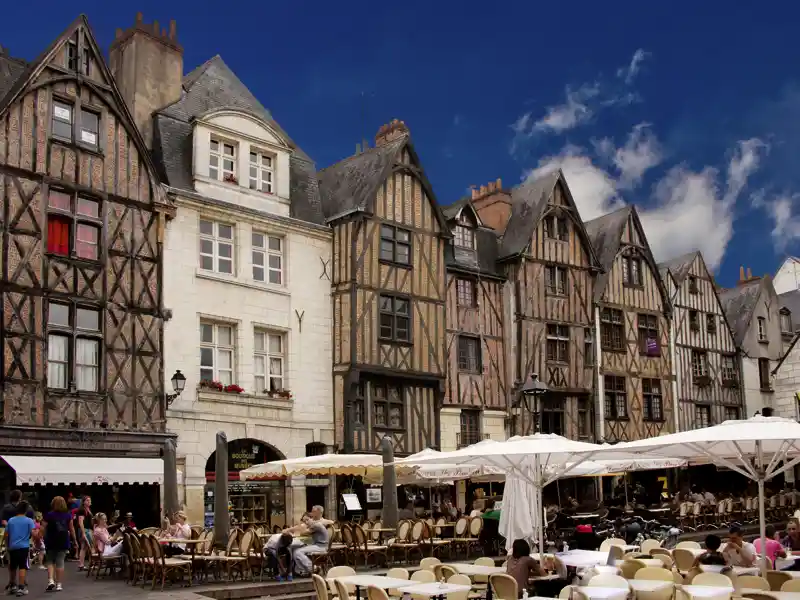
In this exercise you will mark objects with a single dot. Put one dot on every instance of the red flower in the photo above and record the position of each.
(233, 389)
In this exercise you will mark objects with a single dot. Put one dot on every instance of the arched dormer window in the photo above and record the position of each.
(464, 231)
(786, 322)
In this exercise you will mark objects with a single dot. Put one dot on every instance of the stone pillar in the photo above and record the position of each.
(222, 520)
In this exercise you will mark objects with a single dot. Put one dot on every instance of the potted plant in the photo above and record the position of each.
(284, 393)
(229, 178)
(211, 384)
(233, 389)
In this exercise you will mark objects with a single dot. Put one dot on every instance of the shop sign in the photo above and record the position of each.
(243, 454)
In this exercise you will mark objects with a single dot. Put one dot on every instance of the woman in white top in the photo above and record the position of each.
(179, 530)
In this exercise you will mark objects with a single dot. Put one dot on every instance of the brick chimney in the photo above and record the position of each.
(493, 204)
(147, 64)
(390, 131)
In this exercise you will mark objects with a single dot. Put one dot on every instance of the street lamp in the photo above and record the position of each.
(533, 389)
(178, 383)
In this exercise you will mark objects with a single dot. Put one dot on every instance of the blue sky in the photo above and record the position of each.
(690, 111)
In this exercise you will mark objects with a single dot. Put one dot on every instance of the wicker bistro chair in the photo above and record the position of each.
(432, 544)
(363, 547)
(163, 567)
(237, 560)
(461, 537)
(322, 561)
(98, 562)
(403, 544)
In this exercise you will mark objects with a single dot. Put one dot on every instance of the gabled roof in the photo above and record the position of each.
(739, 304)
(482, 262)
(213, 86)
(679, 267)
(528, 203)
(19, 76)
(791, 301)
(606, 235)
(455, 209)
(351, 185)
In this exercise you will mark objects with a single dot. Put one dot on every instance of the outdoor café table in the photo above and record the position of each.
(434, 590)
(580, 558)
(705, 591)
(736, 570)
(648, 562)
(604, 593)
(378, 581)
(647, 585)
(776, 595)
(469, 569)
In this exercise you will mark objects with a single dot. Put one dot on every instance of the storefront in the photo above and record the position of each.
(252, 503)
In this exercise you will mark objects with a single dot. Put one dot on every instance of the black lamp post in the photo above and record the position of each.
(528, 402)
(178, 383)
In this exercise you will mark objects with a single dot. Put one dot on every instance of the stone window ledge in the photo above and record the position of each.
(243, 399)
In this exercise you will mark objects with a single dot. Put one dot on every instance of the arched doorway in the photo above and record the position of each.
(252, 503)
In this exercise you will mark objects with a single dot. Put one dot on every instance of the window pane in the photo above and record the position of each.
(206, 374)
(253, 157)
(206, 357)
(224, 359)
(275, 344)
(62, 112)
(275, 244)
(58, 314)
(213, 161)
(87, 319)
(58, 200)
(87, 359)
(402, 236)
(387, 232)
(274, 261)
(403, 254)
(225, 377)
(258, 240)
(206, 333)
(227, 149)
(401, 306)
(387, 250)
(206, 227)
(275, 366)
(258, 273)
(225, 265)
(57, 356)
(259, 341)
(87, 207)
(214, 146)
(207, 263)
(258, 258)
(225, 336)
(86, 243)
(225, 231)
(275, 277)
(206, 246)
(62, 130)
(225, 250)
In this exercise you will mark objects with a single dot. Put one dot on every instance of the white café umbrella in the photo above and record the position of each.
(534, 461)
(323, 464)
(758, 448)
(426, 474)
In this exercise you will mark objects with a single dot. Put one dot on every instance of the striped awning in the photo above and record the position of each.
(86, 470)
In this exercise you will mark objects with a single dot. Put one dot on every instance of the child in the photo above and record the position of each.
(18, 532)
(278, 547)
(37, 552)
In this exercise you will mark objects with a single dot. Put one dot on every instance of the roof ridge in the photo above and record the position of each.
(188, 80)
(340, 162)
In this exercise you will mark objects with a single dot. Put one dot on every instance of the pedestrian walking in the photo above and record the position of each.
(58, 531)
(18, 533)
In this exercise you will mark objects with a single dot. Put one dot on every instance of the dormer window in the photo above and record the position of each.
(555, 228)
(786, 321)
(261, 172)
(222, 161)
(464, 233)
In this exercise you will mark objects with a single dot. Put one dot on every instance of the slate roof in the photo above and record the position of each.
(11, 69)
(791, 301)
(528, 202)
(605, 234)
(738, 304)
(679, 266)
(483, 261)
(213, 86)
(453, 209)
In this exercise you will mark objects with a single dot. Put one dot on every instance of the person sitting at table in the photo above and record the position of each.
(318, 533)
(277, 547)
(792, 538)
(164, 531)
(737, 552)
(774, 548)
(179, 530)
(102, 539)
(712, 555)
(521, 565)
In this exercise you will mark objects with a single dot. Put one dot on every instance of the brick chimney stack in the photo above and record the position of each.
(745, 278)
(147, 64)
(391, 131)
(493, 204)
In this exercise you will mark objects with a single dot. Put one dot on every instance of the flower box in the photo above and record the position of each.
(211, 385)
(233, 389)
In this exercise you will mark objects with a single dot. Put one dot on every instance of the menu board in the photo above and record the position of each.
(351, 502)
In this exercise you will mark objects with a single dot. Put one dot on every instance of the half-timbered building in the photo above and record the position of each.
(632, 323)
(388, 296)
(551, 265)
(476, 396)
(82, 224)
(708, 373)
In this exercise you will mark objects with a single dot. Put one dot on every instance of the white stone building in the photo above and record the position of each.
(245, 277)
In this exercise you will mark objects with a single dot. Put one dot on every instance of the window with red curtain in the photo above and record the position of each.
(58, 235)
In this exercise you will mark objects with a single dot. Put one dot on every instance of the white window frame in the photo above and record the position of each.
(464, 237)
(217, 242)
(263, 356)
(217, 349)
(264, 250)
(218, 171)
(762, 329)
(259, 182)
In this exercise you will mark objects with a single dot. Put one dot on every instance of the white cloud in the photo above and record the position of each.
(629, 73)
(640, 153)
(571, 113)
(689, 210)
(786, 221)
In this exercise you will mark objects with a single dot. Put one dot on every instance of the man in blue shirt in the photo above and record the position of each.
(18, 532)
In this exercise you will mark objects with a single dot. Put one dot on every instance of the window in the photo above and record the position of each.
(465, 292)
(632, 271)
(653, 403)
(552, 419)
(764, 377)
(693, 289)
(555, 227)
(387, 406)
(694, 320)
(62, 120)
(267, 258)
(612, 330)
(711, 324)
(90, 128)
(470, 428)
(648, 335)
(269, 356)
(359, 404)
(732, 413)
(72, 58)
(395, 245)
(702, 416)
(395, 319)
(69, 218)
(556, 280)
(464, 237)
(588, 347)
(729, 369)
(699, 364)
(261, 172)
(222, 161)
(73, 347)
(216, 247)
(786, 322)
(584, 419)
(469, 354)
(762, 329)
(616, 397)
(557, 343)
(216, 353)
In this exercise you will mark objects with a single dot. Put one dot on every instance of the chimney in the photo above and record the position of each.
(741, 275)
(390, 131)
(474, 191)
(147, 64)
(749, 274)
(492, 204)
